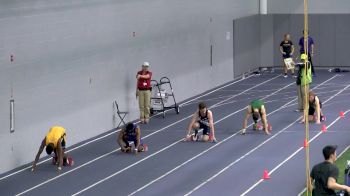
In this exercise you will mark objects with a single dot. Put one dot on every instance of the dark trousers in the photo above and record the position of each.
(312, 65)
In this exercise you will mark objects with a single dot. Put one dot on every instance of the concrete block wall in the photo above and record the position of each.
(73, 58)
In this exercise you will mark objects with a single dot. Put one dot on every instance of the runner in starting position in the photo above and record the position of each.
(315, 109)
(256, 109)
(131, 133)
(202, 119)
(55, 141)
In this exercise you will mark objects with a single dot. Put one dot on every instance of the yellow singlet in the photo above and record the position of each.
(55, 134)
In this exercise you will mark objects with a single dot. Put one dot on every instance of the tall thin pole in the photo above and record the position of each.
(306, 98)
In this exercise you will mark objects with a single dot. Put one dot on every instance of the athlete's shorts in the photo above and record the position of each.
(255, 117)
(312, 110)
(206, 128)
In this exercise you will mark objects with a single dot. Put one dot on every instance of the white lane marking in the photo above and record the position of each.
(239, 159)
(113, 132)
(287, 159)
(341, 154)
(293, 154)
(104, 155)
(251, 151)
(217, 89)
(205, 151)
(118, 172)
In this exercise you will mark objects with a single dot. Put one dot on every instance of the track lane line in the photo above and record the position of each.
(257, 147)
(289, 157)
(116, 131)
(205, 151)
(341, 154)
(205, 94)
(299, 149)
(163, 149)
(160, 130)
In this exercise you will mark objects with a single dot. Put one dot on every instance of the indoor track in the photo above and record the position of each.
(233, 166)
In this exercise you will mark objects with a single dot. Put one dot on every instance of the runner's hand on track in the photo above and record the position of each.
(33, 168)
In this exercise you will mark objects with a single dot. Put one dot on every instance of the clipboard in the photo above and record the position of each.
(289, 63)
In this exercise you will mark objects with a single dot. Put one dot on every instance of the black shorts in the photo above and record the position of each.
(286, 56)
(312, 110)
(127, 139)
(206, 128)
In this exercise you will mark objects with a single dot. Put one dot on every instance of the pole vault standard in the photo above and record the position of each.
(306, 99)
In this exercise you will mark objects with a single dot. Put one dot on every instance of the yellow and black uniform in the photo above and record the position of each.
(55, 134)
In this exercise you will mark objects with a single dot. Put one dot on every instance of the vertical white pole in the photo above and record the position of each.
(12, 116)
(263, 6)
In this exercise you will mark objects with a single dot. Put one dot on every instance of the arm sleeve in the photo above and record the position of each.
(281, 44)
(291, 43)
(312, 174)
(334, 172)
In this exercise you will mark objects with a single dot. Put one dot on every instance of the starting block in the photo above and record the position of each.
(67, 161)
(323, 118)
(189, 138)
(144, 148)
(259, 127)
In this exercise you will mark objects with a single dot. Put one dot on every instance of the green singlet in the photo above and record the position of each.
(256, 104)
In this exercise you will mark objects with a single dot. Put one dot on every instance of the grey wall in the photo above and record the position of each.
(267, 44)
(329, 32)
(246, 44)
(315, 6)
(328, 24)
(73, 58)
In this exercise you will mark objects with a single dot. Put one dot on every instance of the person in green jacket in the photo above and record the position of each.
(256, 109)
(304, 80)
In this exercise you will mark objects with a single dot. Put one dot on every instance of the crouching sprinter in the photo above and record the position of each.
(201, 119)
(256, 109)
(131, 133)
(315, 109)
(55, 141)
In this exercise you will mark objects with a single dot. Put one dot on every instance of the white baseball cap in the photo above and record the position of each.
(146, 64)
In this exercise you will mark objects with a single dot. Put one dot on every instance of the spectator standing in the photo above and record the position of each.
(287, 50)
(311, 50)
(143, 92)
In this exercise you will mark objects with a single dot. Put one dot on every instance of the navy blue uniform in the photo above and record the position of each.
(203, 123)
(130, 136)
